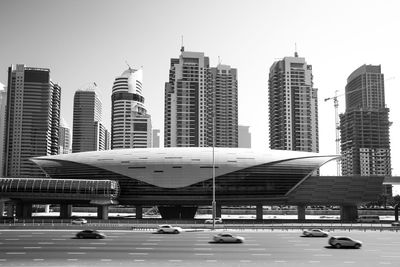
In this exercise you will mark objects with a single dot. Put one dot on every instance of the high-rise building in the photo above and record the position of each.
(293, 106)
(364, 127)
(64, 143)
(3, 104)
(244, 136)
(86, 121)
(130, 123)
(156, 138)
(193, 94)
(224, 86)
(32, 119)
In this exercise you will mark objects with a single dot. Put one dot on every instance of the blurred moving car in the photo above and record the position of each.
(396, 223)
(344, 241)
(168, 229)
(90, 234)
(217, 220)
(79, 221)
(315, 233)
(227, 238)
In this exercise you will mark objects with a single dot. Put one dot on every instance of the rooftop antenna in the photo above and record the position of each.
(126, 62)
(182, 47)
(219, 60)
(295, 50)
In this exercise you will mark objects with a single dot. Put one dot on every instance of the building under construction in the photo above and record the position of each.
(364, 127)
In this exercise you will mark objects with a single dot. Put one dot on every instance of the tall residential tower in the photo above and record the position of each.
(88, 131)
(194, 94)
(130, 123)
(293, 106)
(32, 119)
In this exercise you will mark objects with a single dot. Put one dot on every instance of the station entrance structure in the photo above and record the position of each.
(22, 193)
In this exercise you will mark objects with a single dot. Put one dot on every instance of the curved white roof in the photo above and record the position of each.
(179, 167)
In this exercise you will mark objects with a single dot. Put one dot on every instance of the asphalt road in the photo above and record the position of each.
(128, 248)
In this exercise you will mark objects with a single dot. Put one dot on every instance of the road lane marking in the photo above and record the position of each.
(211, 260)
(72, 259)
(313, 249)
(77, 253)
(261, 254)
(204, 254)
(106, 260)
(11, 239)
(15, 253)
(201, 248)
(245, 261)
(144, 248)
(58, 239)
(314, 262)
(138, 253)
(301, 245)
(202, 244)
(3, 259)
(390, 256)
(349, 262)
(256, 248)
(37, 233)
(87, 247)
(138, 260)
(149, 244)
(38, 259)
(322, 255)
(385, 262)
(251, 244)
(95, 243)
(25, 236)
(45, 243)
(280, 261)
(32, 247)
(175, 260)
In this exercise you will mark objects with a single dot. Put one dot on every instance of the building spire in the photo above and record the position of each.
(295, 50)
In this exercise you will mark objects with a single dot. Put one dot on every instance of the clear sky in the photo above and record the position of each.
(89, 41)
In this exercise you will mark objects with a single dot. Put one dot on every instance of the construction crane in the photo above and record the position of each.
(337, 125)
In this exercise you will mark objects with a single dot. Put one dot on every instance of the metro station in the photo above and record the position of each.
(179, 180)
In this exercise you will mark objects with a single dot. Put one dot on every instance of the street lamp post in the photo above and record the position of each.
(213, 172)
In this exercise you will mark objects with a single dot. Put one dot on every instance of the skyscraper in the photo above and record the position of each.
(32, 119)
(244, 136)
(293, 106)
(64, 138)
(3, 104)
(86, 120)
(193, 94)
(364, 127)
(225, 103)
(130, 123)
(156, 138)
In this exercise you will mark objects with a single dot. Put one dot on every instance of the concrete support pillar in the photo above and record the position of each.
(10, 210)
(348, 213)
(24, 210)
(259, 212)
(396, 212)
(2, 206)
(102, 212)
(65, 211)
(139, 211)
(301, 212)
(218, 210)
(47, 208)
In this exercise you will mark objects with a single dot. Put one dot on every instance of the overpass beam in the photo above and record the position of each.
(259, 212)
(139, 211)
(301, 212)
(348, 213)
(102, 212)
(65, 211)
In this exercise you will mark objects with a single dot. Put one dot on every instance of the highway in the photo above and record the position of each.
(130, 248)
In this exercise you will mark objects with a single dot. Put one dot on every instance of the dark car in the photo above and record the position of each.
(90, 234)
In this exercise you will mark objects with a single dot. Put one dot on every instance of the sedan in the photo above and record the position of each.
(79, 221)
(315, 233)
(90, 234)
(217, 220)
(227, 238)
(169, 229)
(344, 241)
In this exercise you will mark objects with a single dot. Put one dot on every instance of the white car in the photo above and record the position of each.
(79, 221)
(169, 229)
(344, 241)
(315, 232)
(217, 220)
(227, 238)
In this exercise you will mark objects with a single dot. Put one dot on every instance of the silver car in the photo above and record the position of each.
(344, 241)
(315, 233)
(169, 229)
(227, 238)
